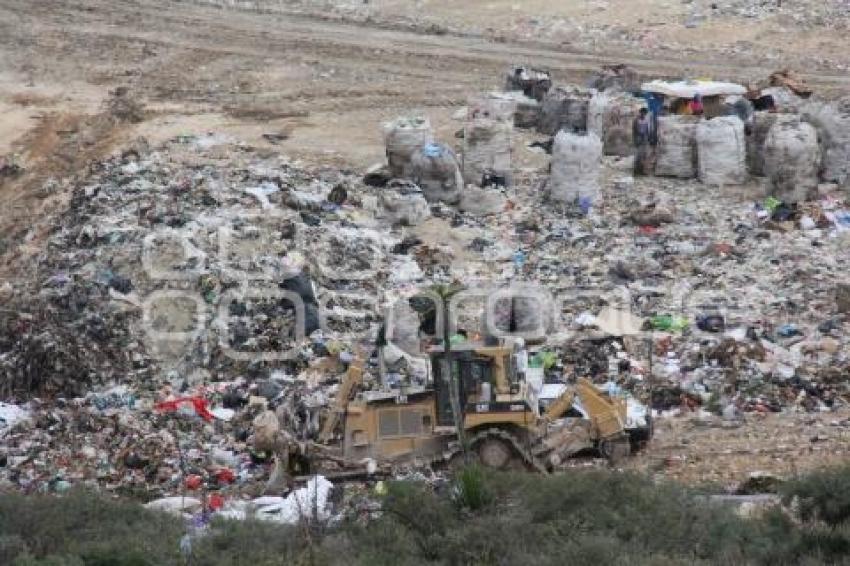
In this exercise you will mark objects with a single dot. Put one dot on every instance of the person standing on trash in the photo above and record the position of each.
(655, 103)
(641, 136)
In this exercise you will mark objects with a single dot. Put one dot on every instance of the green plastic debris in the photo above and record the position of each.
(458, 339)
(669, 323)
(772, 203)
(543, 360)
(334, 347)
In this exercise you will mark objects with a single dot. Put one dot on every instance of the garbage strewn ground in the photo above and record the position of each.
(143, 276)
(188, 312)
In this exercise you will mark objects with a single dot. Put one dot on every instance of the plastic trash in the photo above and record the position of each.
(711, 323)
(669, 323)
(304, 504)
(176, 504)
(10, 415)
(788, 330)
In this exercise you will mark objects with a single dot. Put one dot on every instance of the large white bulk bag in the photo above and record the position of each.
(677, 147)
(576, 161)
(610, 116)
(487, 150)
(784, 98)
(791, 160)
(435, 169)
(404, 136)
(564, 108)
(596, 113)
(722, 151)
(761, 125)
(508, 106)
(520, 313)
(832, 121)
(491, 106)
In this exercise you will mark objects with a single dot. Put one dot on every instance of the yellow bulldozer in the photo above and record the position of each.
(501, 422)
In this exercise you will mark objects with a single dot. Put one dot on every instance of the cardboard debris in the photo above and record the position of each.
(618, 322)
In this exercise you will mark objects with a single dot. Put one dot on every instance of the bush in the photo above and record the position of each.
(823, 495)
(591, 518)
(471, 489)
(257, 543)
(81, 526)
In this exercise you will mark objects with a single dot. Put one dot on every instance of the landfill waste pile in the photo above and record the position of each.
(135, 335)
(202, 310)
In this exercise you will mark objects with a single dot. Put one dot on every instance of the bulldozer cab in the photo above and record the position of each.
(488, 385)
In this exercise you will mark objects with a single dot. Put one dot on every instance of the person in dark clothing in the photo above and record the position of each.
(763, 103)
(655, 103)
(641, 136)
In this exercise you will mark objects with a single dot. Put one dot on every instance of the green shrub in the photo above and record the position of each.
(83, 526)
(823, 495)
(235, 542)
(472, 489)
(592, 518)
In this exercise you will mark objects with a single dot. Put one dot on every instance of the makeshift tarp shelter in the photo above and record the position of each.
(689, 89)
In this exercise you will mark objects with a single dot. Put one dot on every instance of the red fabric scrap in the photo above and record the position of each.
(198, 403)
(215, 502)
(225, 476)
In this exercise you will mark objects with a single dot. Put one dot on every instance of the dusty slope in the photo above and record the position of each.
(322, 82)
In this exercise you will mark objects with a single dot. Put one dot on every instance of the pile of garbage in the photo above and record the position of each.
(192, 289)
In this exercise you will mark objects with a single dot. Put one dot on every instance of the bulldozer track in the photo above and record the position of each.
(456, 450)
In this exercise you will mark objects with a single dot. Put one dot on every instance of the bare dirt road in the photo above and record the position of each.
(196, 66)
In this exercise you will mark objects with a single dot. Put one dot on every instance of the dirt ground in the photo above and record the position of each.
(723, 454)
(314, 80)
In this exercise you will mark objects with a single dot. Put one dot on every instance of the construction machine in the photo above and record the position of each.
(503, 425)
